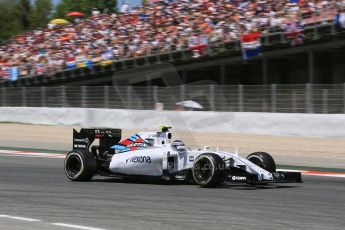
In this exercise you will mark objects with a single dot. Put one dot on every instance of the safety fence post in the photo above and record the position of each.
(106, 96)
(212, 103)
(63, 96)
(182, 92)
(240, 98)
(155, 94)
(3, 96)
(325, 100)
(273, 98)
(129, 97)
(148, 104)
(309, 98)
(344, 98)
(83, 96)
(24, 96)
(294, 101)
(43, 96)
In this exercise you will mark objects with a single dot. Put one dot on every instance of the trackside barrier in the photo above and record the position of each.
(282, 124)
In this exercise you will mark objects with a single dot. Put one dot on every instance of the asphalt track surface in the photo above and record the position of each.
(36, 189)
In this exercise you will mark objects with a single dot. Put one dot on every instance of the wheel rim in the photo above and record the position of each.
(74, 166)
(203, 170)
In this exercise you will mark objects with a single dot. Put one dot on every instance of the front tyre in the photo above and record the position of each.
(80, 165)
(263, 160)
(208, 170)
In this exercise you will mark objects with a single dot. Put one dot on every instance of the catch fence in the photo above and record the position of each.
(307, 98)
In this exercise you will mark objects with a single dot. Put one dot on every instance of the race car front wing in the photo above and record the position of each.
(278, 177)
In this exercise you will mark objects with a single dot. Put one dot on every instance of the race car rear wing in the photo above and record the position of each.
(85, 137)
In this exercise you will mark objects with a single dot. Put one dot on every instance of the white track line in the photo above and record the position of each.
(28, 156)
(325, 175)
(316, 173)
(32, 154)
(19, 218)
(291, 170)
(56, 224)
(76, 226)
(9, 151)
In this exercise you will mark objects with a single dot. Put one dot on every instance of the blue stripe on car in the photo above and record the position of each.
(120, 147)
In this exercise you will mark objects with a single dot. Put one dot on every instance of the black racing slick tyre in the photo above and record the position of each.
(263, 160)
(80, 165)
(208, 170)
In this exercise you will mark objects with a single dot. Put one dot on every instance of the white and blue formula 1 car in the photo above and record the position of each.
(153, 155)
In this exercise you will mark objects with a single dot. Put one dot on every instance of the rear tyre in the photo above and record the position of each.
(208, 170)
(263, 160)
(80, 165)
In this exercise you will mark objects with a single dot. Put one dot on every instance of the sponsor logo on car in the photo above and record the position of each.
(180, 177)
(138, 144)
(191, 158)
(79, 146)
(238, 178)
(139, 159)
(82, 140)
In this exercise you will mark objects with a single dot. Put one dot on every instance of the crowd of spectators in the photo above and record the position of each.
(159, 26)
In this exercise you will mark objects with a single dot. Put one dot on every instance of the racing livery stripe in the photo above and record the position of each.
(132, 138)
(139, 140)
(135, 142)
(120, 147)
(125, 142)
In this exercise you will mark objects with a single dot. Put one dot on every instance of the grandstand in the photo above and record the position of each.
(299, 40)
(298, 66)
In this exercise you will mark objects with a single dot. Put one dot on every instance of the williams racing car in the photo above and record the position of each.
(155, 155)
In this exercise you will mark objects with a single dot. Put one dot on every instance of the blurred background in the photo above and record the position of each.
(226, 55)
